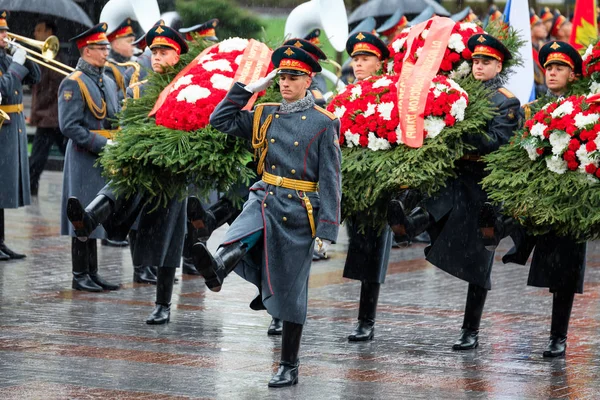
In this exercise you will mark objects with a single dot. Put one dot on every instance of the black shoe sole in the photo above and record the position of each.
(280, 385)
(203, 261)
(155, 322)
(462, 348)
(273, 332)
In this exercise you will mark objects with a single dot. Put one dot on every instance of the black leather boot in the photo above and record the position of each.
(469, 335)
(493, 226)
(188, 263)
(86, 220)
(276, 327)
(164, 291)
(80, 259)
(93, 267)
(215, 269)
(562, 303)
(407, 226)
(115, 243)
(365, 328)
(5, 252)
(287, 374)
(144, 274)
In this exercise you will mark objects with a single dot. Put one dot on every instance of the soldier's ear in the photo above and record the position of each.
(499, 67)
(571, 75)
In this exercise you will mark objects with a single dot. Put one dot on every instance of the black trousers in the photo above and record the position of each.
(42, 143)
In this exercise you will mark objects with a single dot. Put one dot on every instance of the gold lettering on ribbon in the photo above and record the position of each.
(253, 66)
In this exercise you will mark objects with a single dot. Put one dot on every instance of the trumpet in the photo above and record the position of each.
(46, 54)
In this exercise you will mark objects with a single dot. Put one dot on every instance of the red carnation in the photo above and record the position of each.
(574, 145)
(572, 165)
(590, 146)
(569, 156)
(590, 169)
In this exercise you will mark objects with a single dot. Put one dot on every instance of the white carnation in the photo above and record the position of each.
(433, 126)
(458, 109)
(399, 135)
(219, 65)
(382, 82)
(456, 43)
(562, 110)
(370, 109)
(193, 93)
(340, 111)
(531, 150)
(468, 25)
(463, 70)
(183, 81)
(356, 92)
(425, 33)
(233, 44)
(238, 59)
(390, 67)
(559, 141)
(419, 51)
(398, 43)
(585, 159)
(538, 129)
(351, 139)
(556, 164)
(385, 110)
(588, 52)
(594, 87)
(221, 82)
(376, 143)
(581, 121)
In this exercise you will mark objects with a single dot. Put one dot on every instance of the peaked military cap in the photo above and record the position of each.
(366, 43)
(307, 46)
(397, 21)
(494, 13)
(165, 36)
(140, 42)
(3, 20)
(557, 22)
(483, 45)
(313, 36)
(294, 61)
(125, 29)
(534, 19)
(557, 52)
(204, 31)
(546, 14)
(94, 35)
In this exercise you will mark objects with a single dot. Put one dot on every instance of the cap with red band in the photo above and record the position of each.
(3, 20)
(366, 43)
(125, 29)
(167, 37)
(94, 35)
(557, 52)
(486, 46)
(204, 31)
(294, 61)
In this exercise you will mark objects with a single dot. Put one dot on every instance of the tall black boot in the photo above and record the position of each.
(5, 252)
(93, 266)
(562, 303)
(493, 226)
(469, 335)
(215, 268)
(207, 221)
(86, 220)
(141, 274)
(275, 327)
(164, 291)
(287, 374)
(81, 260)
(191, 237)
(407, 226)
(365, 328)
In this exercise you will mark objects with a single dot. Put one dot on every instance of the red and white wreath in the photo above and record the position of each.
(368, 111)
(195, 95)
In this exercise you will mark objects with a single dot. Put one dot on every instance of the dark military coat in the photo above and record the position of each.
(368, 253)
(456, 246)
(14, 164)
(302, 145)
(81, 178)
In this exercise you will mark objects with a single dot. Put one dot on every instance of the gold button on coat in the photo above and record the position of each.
(265, 205)
(296, 143)
(272, 140)
(289, 196)
(273, 167)
(276, 115)
(271, 193)
(284, 219)
(304, 117)
(293, 171)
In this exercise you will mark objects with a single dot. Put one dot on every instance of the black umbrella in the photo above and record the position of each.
(385, 8)
(65, 9)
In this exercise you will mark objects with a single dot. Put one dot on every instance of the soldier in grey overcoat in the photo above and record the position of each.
(160, 229)
(298, 198)
(121, 40)
(87, 103)
(15, 72)
(450, 217)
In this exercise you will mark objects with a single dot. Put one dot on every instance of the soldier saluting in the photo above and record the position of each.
(87, 102)
(298, 198)
(451, 216)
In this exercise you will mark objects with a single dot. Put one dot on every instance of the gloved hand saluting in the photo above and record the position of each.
(19, 56)
(262, 83)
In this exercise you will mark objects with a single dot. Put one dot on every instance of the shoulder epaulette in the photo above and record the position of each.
(506, 92)
(325, 112)
(269, 104)
(74, 75)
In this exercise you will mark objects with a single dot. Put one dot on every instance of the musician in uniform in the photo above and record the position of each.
(15, 72)
(451, 216)
(121, 40)
(368, 251)
(87, 105)
(298, 198)
(558, 263)
(161, 228)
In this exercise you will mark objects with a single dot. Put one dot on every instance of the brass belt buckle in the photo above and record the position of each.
(279, 181)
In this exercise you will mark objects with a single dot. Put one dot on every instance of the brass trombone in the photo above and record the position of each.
(48, 51)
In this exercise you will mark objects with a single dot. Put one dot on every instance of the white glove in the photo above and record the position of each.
(19, 56)
(110, 142)
(321, 247)
(262, 83)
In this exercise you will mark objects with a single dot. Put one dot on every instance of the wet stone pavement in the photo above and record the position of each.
(56, 343)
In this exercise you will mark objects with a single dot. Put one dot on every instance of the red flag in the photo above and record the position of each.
(585, 26)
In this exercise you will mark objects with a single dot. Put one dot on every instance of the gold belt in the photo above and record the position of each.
(298, 186)
(109, 134)
(12, 108)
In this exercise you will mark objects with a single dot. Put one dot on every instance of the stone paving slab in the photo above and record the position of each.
(56, 343)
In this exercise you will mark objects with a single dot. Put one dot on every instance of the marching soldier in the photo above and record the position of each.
(160, 233)
(270, 244)
(121, 50)
(558, 262)
(15, 72)
(87, 103)
(368, 252)
(451, 216)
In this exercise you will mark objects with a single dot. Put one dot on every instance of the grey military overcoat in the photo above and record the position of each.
(81, 178)
(14, 164)
(302, 145)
